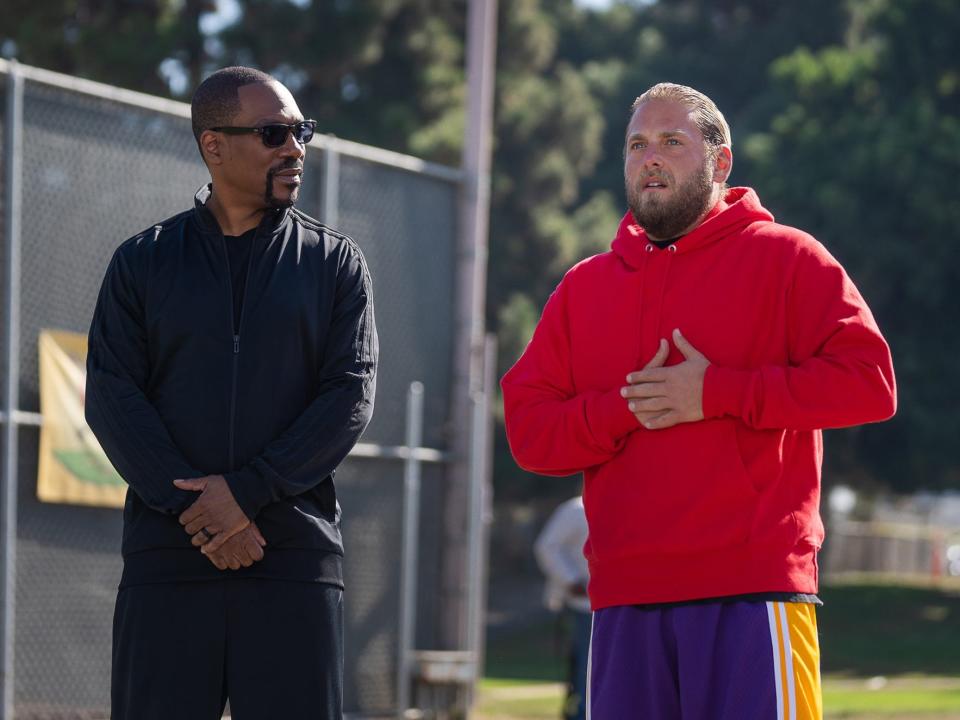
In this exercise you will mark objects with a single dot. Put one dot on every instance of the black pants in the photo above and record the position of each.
(274, 648)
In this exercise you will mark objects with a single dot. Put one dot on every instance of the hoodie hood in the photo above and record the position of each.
(737, 209)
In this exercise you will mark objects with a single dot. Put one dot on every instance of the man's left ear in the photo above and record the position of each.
(723, 164)
(210, 148)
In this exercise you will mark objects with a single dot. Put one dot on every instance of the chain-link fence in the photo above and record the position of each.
(99, 165)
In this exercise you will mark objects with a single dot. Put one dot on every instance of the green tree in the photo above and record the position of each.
(548, 133)
(383, 72)
(722, 48)
(844, 116)
(122, 44)
(864, 153)
(392, 75)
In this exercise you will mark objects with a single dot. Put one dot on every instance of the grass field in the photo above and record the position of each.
(889, 652)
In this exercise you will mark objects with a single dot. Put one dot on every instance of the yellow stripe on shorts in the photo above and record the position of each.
(796, 660)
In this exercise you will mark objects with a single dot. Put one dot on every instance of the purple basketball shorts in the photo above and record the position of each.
(709, 661)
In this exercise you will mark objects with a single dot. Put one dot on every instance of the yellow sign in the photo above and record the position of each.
(73, 467)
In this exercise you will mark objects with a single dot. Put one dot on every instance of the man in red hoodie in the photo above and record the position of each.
(688, 374)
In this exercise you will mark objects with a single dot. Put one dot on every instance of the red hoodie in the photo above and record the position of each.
(727, 505)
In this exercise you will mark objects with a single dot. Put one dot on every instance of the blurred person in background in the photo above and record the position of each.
(559, 553)
(688, 374)
(231, 368)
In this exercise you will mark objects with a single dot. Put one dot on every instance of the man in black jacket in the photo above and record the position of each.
(231, 368)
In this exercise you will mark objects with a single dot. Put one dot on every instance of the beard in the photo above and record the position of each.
(668, 218)
(272, 200)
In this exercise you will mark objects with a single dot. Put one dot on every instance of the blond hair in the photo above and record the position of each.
(706, 116)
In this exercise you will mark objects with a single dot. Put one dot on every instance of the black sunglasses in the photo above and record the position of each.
(275, 134)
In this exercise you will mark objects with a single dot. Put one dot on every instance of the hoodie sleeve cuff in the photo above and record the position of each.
(725, 391)
(609, 417)
(249, 490)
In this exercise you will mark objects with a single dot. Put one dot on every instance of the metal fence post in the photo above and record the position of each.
(331, 188)
(12, 201)
(479, 513)
(411, 526)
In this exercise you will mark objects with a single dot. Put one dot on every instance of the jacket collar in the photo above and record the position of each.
(274, 219)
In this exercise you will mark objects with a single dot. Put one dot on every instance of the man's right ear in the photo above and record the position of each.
(211, 148)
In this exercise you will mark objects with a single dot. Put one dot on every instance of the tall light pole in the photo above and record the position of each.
(470, 468)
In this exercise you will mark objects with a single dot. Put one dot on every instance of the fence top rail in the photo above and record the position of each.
(96, 89)
(178, 109)
(387, 157)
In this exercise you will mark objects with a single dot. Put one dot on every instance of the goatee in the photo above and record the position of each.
(272, 200)
(665, 219)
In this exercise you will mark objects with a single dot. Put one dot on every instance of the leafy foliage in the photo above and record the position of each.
(845, 115)
(121, 43)
(864, 153)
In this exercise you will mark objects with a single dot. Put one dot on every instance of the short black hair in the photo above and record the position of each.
(216, 101)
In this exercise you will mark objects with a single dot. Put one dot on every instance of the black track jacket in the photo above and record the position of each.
(172, 392)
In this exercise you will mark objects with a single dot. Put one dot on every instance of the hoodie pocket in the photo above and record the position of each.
(677, 491)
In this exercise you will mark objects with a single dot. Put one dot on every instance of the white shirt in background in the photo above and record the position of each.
(559, 553)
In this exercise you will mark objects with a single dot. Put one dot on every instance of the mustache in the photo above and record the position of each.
(288, 164)
(656, 175)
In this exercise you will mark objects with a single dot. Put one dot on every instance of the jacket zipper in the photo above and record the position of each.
(235, 332)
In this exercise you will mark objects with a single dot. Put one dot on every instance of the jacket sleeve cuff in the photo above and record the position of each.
(179, 501)
(249, 490)
(725, 391)
(609, 417)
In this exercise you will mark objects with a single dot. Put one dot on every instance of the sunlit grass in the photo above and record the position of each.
(899, 696)
(504, 699)
(500, 699)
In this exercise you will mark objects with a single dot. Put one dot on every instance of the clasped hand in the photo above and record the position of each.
(218, 526)
(661, 397)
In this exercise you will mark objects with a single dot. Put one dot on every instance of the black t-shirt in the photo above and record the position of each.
(662, 244)
(238, 255)
(789, 597)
